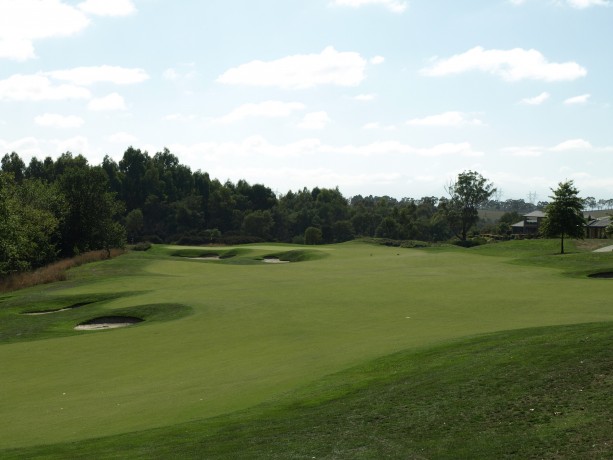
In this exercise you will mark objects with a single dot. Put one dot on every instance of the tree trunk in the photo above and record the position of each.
(562, 244)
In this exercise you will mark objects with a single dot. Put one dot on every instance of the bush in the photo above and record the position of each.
(298, 239)
(143, 246)
(313, 235)
(231, 240)
(154, 239)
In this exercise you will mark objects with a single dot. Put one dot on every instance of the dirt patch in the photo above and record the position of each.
(58, 310)
(108, 322)
(605, 275)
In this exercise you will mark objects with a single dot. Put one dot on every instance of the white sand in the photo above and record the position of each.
(94, 327)
(276, 261)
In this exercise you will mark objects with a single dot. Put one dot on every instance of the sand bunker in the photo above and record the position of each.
(108, 322)
(274, 260)
(205, 258)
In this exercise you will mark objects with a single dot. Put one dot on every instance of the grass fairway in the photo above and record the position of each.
(242, 332)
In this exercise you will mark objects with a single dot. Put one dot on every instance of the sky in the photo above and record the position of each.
(377, 97)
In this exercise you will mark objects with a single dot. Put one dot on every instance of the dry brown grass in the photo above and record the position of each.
(592, 244)
(53, 272)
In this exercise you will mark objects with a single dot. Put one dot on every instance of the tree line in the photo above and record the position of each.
(58, 208)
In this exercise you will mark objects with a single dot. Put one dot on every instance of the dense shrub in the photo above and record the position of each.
(313, 235)
(143, 246)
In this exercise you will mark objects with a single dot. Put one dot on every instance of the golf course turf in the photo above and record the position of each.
(347, 351)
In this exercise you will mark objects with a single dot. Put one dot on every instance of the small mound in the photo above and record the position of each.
(604, 275)
(108, 322)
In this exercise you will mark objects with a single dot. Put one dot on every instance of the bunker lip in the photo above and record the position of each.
(49, 312)
(108, 322)
(603, 275)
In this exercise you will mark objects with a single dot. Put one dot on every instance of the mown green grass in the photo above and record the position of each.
(256, 331)
(536, 393)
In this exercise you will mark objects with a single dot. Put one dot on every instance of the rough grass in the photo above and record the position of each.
(54, 272)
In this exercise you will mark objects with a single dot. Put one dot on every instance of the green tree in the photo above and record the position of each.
(343, 231)
(135, 223)
(564, 214)
(510, 217)
(258, 223)
(467, 194)
(29, 221)
(14, 165)
(312, 235)
(388, 228)
(90, 220)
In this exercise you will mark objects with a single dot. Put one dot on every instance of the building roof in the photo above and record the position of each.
(536, 214)
(602, 222)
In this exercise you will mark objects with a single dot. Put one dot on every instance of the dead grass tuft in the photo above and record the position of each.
(53, 272)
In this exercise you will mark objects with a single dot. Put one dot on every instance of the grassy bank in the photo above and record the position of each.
(537, 393)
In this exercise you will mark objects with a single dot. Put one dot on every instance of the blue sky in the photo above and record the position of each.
(382, 97)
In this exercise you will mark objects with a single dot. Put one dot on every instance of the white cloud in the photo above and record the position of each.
(395, 6)
(267, 109)
(27, 146)
(463, 149)
(260, 147)
(173, 74)
(77, 144)
(180, 117)
(86, 76)
(446, 119)
(329, 67)
(108, 7)
(536, 100)
(59, 121)
(377, 60)
(577, 100)
(582, 4)
(535, 151)
(24, 21)
(38, 88)
(256, 146)
(170, 74)
(511, 65)
(315, 120)
(572, 144)
(365, 97)
(122, 138)
(110, 102)
(577, 4)
(376, 125)
(525, 151)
